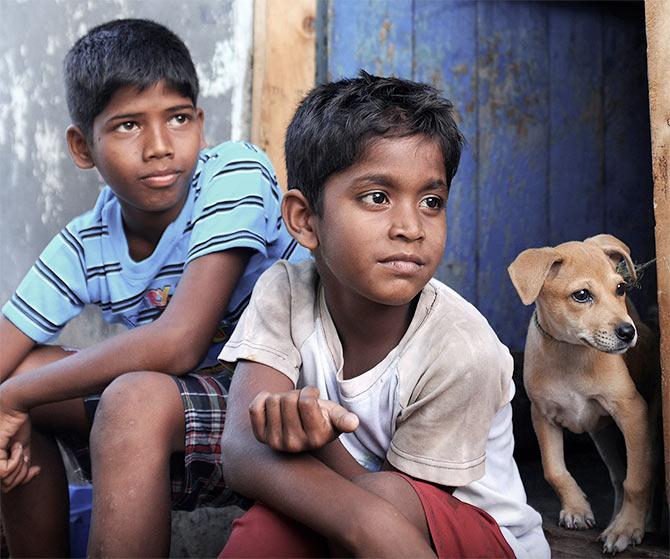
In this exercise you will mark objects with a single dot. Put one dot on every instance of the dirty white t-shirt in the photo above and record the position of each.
(436, 407)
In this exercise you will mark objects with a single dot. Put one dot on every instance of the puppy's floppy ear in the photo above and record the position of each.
(530, 269)
(615, 249)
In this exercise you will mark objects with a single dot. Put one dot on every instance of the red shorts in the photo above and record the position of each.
(457, 529)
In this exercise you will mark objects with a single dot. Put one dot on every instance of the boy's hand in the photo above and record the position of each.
(298, 421)
(15, 468)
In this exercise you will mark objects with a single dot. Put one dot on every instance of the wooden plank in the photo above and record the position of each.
(283, 72)
(450, 64)
(576, 154)
(370, 34)
(658, 62)
(513, 146)
(628, 175)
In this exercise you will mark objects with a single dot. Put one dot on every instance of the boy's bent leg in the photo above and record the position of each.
(454, 528)
(138, 425)
(36, 515)
(395, 489)
(263, 532)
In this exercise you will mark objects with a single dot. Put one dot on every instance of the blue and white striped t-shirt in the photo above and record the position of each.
(233, 201)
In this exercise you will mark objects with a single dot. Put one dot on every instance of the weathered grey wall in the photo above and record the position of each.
(40, 188)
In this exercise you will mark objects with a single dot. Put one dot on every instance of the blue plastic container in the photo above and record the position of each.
(80, 518)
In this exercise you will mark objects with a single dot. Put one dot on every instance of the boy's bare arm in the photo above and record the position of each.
(14, 346)
(173, 344)
(304, 488)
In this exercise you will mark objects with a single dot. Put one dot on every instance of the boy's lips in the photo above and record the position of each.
(403, 263)
(161, 179)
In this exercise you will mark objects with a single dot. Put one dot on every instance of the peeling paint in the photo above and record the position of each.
(243, 18)
(53, 43)
(78, 12)
(18, 102)
(217, 77)
(227, 70)
(49, 154)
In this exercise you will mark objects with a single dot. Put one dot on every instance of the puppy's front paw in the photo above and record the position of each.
(577, 518)
(620, 534)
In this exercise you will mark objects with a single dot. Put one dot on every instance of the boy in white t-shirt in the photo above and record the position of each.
(414, 427)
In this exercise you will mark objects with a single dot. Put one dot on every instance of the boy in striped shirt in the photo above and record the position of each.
(177, 223)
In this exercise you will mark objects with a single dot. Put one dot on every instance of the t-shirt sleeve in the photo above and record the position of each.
(52, 292)
(263, 333)
(238, 204)
(441, 434)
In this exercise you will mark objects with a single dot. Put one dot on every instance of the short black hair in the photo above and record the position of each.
(336, 121)
(119, 53)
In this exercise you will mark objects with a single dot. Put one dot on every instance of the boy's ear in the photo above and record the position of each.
(200, 116)
(78, 147)
(299, 219)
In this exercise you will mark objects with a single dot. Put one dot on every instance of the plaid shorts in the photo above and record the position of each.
(199, 481)
(196, 476)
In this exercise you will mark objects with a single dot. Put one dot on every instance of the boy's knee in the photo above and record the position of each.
(397, 491)
(125, 394)
(382, 484)
(137, 409)
(390, 487)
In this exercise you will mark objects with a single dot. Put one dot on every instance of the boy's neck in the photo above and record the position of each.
(144, 231)
(368, 331)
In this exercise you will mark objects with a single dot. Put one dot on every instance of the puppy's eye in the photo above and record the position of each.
(621, 289)
(582, 296)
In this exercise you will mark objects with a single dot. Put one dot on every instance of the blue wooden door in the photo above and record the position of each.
(552, 98)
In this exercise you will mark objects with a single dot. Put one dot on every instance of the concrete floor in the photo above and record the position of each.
(203, 532)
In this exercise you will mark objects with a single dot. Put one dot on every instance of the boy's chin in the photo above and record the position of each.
(395, 299)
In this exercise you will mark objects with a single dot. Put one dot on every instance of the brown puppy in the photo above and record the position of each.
(588, 361)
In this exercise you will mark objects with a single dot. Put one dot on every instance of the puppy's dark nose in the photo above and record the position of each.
(625, 332)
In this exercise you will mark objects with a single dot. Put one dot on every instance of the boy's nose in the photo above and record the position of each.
(157, 143)
(407, 225)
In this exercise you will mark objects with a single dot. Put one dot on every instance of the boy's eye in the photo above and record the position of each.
(375, 198)
(180, 119)
(127, 126)
(432, 202)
